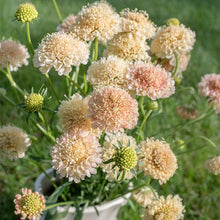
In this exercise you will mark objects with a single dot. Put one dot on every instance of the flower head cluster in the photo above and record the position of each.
(187, 112)
(111, 146)
(13, 54)
(98, 20)
(72, 115)
(144, 196)
(137, 22)
(170, 208)
(112, 109)
(26, 13)
(127, 46)
(13, 142)
(67, 24)
(158, 160)
(213, 165)
(108, 71)
(61, 51)
(34, 102)
(76, 155)
(150, 80)
(173, 41)
(29, 204)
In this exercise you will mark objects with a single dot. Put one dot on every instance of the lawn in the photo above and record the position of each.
(199, 189)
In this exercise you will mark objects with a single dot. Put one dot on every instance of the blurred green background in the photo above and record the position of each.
(199, 189)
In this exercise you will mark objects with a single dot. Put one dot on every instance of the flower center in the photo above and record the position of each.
(31, 204)
(34, 102)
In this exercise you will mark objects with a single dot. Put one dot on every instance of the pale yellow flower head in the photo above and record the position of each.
(34, 102)
(170, 208)
(158, 160)
(61, 51)
(13, 54)
(98, 20)
(213, 165)
(128, 46)
(67, 24)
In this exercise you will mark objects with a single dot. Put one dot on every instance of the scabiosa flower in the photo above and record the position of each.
(98, 20)
(150, 80)
(137, 22)
(13, 54)
(26, 13)
(72, 115)
(158, 160)
(144, 196)
(213, 165)
(216, 103)
(187, 112)
(13, 142)
(61, 51)
(76, 155)
(127, 46)
(112, 109)
(111, 145)
(108, 71)
(29, 204)
(67, 24)
(34, 102)
(172, 41)
(170, 208)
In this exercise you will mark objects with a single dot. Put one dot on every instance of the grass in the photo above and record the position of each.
(199, 189)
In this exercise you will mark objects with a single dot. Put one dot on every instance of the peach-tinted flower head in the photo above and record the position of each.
(128, 46)
(112, 109)
(61, 51)
(137, 22)
(173, 41)
(76, 155)
(158, 160)
(98, 20)
(13, 54)
(29, 204)
(170, 208)
(110, 71)
(213, 165)
(67, 24)
(13, 142)
(150, 80)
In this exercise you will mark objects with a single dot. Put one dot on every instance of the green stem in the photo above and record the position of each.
(176, 67)
(95, 49)
(9, 100)
(29, 37)
(43, 119)
(84, 78)
(52, 87)
(76, 84)
(58, 204)
(141, 105)
(57, 10)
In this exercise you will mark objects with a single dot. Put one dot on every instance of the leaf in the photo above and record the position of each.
(128, 145)
(134, 173)
(119, 144)
(109, 161)
(140, 163)
(130, 202)
(62, 214)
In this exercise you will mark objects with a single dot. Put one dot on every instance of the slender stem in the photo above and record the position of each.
(141, 105)
(95, 49)
(29, 37)
(84, 78)
(58, 204)
(52, 87)
(176, 67)
(57, 10)
(162, 62)
(43, 119)
(9, 100)
(76, 84)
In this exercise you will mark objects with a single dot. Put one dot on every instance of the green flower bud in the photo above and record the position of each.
(126, 158)
(173, 21)
(26, 12)
(2, 92)
(177, 80)
(34, 102)
(180, 143)
(152, 105)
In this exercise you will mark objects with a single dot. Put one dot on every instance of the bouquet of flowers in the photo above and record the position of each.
(118, 70)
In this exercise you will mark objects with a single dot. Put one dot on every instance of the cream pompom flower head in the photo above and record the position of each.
(98, 20)
(110, 71)
(170, 208)
(13, 142)
(76, 155)
(172, 41)
(150, 80)
(26, 13)
(112, 109)
(61, 51)
(137, 22)
(158, 160)
(119, 157)
(128, 46)
(13, 54)
(67, 24)
(213, 165)
(29, 204)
